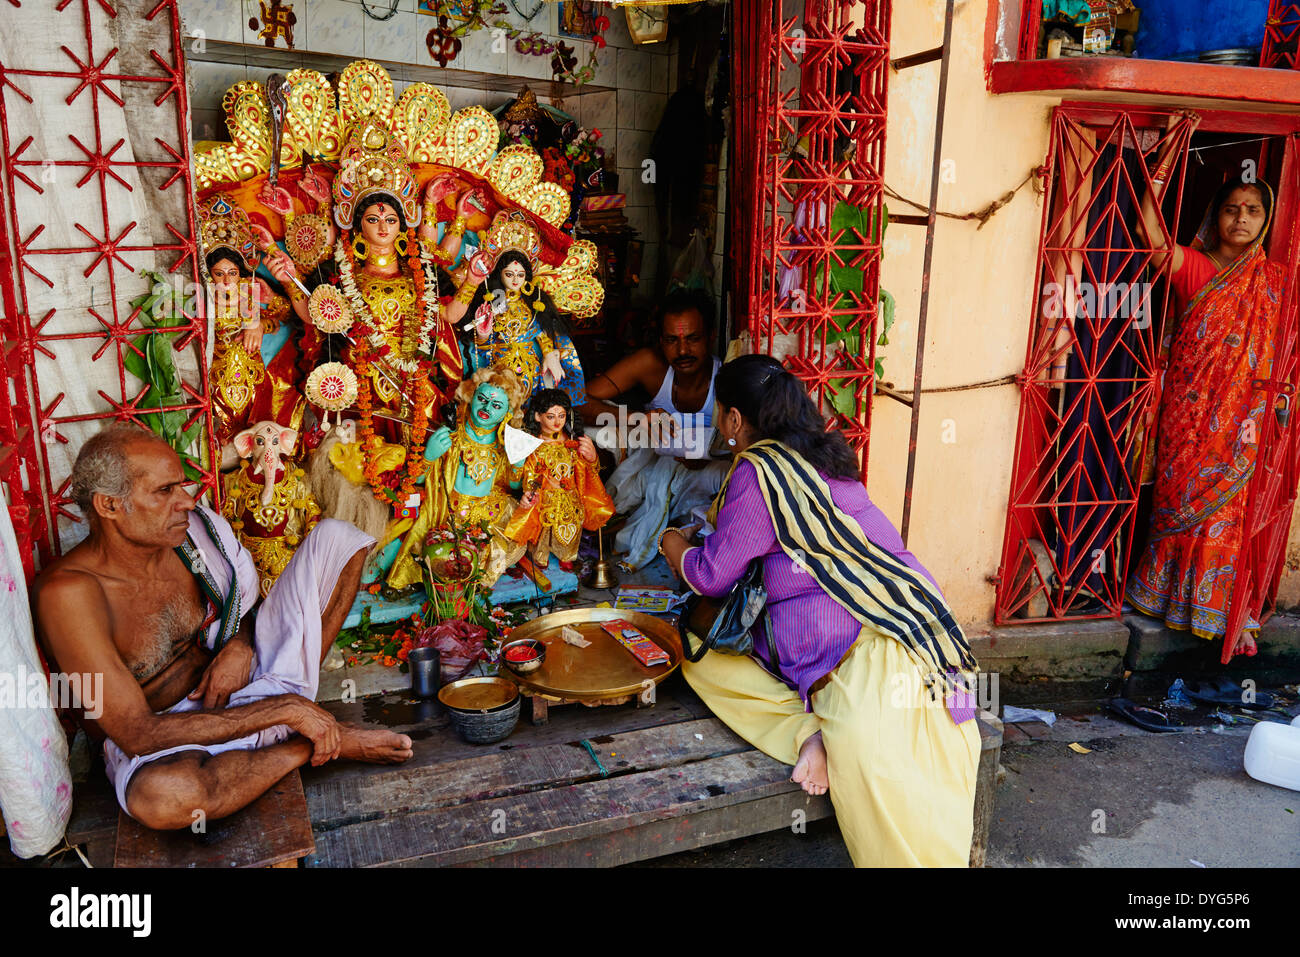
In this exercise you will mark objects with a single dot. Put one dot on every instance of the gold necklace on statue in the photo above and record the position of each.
(480, 460)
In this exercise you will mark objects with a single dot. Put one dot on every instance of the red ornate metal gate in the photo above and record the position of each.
(1091, 371)
(79, 84)
(807, 154)
(1281, 36)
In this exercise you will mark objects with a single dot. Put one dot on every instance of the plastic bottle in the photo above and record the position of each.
(1273, 754)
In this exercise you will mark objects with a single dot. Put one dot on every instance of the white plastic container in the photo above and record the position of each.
(1273, 754)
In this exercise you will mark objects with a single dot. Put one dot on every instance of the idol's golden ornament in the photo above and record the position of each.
(328, 310)
(307, 239)
(317, 126)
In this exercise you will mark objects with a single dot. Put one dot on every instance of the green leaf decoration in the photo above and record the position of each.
(846, 216)
(155, 365)
(887, 305)
(846, 279)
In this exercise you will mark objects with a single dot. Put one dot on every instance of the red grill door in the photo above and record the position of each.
(1091, 369)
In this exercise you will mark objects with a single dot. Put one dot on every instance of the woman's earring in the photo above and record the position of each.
(731, 441)
(400, 246)
(360, 248)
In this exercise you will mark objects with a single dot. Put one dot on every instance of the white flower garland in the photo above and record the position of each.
(347, 279)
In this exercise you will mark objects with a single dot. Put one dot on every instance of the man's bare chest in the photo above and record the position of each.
(155, 619)
(689, 399)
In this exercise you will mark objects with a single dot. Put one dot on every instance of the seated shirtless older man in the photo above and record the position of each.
(208, 694)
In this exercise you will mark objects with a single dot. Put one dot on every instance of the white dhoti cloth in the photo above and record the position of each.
(661, 490)
(287, 633)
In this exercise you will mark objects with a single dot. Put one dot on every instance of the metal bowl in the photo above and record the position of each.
(1238, 56)
(482, 710)
(524, 667)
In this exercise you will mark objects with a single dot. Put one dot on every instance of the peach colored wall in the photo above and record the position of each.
(980, 290)
(980, 293)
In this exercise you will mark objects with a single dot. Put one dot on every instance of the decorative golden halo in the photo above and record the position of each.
(320, 125)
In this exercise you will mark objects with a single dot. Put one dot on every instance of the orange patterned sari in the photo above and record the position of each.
(1210, 420)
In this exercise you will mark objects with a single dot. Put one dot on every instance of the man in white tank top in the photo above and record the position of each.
(667, 472)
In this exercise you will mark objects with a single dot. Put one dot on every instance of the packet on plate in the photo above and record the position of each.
(645, 650)
(574, 637)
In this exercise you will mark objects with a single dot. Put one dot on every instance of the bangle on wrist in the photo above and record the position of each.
(466, 293)
(665, 535)
(457, 226)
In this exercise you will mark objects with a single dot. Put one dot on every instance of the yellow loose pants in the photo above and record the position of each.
(902, 774)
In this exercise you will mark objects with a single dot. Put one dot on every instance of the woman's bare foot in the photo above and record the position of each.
(373, 746)
(1245, 645)
(810, 771)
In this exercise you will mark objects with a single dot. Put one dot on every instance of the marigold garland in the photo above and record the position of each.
(417, 369)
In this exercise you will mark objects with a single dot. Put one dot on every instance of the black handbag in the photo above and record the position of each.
(727, 627)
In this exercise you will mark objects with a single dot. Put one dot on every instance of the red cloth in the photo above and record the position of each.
(1207, 442)
(1196, 271)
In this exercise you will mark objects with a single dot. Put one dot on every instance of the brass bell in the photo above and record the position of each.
(602, 576)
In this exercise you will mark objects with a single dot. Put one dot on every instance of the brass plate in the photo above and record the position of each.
(478, 694)
(603, 670)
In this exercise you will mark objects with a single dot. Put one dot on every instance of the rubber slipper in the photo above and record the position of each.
(1224, 691)
(1148, 719)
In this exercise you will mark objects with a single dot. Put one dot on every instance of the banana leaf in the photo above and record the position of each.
(154, 364)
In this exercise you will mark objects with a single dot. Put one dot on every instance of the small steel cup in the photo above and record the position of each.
(426, 671)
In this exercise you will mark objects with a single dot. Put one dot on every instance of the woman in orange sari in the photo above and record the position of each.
(1211, 415)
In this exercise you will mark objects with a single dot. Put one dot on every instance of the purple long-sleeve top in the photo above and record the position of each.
(812, 632)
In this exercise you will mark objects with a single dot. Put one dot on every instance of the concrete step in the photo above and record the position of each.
(1038, 663)
(1157, 654)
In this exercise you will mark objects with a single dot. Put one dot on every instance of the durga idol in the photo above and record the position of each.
(402, 349)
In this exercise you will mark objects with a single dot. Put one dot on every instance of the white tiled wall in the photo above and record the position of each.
(641, 77)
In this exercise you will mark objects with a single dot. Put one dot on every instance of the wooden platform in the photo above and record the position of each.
(273, 831)
(675, 779)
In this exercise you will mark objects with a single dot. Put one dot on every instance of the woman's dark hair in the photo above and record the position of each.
(220, 253)
(1226, 190)
(776, 406)
(547, 316)
(374, 199)
(545, 399)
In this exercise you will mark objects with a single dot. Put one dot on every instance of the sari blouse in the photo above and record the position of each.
(811, 631)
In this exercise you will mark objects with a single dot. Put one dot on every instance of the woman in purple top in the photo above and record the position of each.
(859, 626)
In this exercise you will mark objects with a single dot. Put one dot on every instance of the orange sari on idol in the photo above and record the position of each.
(1211, 416)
